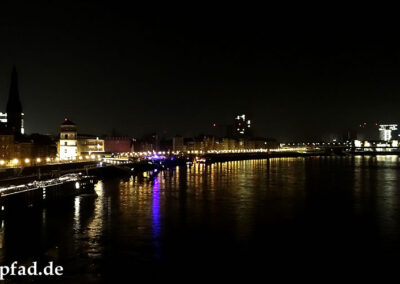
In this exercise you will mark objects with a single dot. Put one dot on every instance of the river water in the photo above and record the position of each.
(239, 218)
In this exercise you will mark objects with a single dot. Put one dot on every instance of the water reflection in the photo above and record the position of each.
(220, 213)
(156, 218)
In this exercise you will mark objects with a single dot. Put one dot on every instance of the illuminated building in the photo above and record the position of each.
(191, 144)
(3, 118)
(178, 144)
(23, 149)
(208, 142)
(385, 131)
(14, 117)
(33, 147)
(68, 144)
(241, 126)
(71, 145)
(90, 144)
(357, 143)
(227, 144)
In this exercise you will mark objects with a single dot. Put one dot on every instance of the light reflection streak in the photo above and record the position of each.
(77, 225)
(156, 218)
(96, 225)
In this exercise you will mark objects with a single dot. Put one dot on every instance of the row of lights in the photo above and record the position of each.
(337, 143)
(315, 144)
(87, 157)
(289, 149)
(27, 161)
(93, 157)
(237, 151)
(131, 154)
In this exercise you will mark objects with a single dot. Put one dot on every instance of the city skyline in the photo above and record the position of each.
(108, 69)
(234, 130)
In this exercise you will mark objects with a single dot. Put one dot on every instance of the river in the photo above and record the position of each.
(244, 217)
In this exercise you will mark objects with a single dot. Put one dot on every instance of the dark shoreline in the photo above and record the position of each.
(16, 176)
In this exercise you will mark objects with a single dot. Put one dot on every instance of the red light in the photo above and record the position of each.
(214, 124)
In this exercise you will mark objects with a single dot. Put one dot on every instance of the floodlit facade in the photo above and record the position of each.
(68, 144)
(385, 131)
(3, 117)
(178, 144)
(89, 145)
(71, 145)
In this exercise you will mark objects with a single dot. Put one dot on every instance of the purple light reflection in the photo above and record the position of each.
(156, 219)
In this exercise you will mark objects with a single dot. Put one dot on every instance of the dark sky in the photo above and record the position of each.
(179, 69)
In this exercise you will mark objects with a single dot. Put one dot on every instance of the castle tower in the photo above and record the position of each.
(68, 144)
(15, 116)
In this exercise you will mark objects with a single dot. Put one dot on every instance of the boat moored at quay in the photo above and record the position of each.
(43, 192)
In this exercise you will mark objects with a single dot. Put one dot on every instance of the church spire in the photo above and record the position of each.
(15, 119)
(14, 104)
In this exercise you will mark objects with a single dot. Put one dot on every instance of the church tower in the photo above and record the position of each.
(15, 116)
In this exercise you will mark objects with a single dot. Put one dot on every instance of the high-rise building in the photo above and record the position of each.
(242, 126)
(385, 131)
(14, 117)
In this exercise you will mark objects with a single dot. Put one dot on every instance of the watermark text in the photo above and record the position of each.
(20, 270)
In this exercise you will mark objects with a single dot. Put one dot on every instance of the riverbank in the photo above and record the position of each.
(32, 191)
(17, 176)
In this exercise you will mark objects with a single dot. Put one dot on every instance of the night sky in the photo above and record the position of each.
(176, 71)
